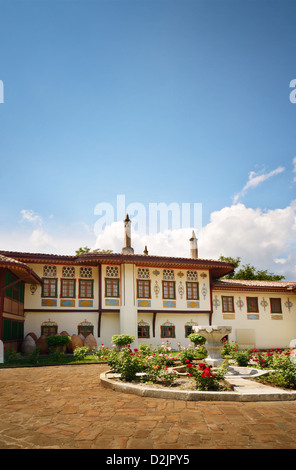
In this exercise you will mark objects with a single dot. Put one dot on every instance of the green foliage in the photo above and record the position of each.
(242, 357)
(229, 348)
(196, 338)
(249, 272)
(10, 355)
(81, 353)
(56, 355)
(187, 354)
(203, 376)
(57, 340)
(126, 363)
(86, 249)
(122, 340)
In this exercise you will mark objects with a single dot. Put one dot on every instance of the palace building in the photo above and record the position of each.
(153, 298)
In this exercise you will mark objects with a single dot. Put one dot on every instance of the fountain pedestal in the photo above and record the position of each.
(213, 335)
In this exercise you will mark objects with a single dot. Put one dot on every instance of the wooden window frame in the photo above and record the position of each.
(169, 285)
(69, 281)
(52, 329)
(141, 283)
(190, 285)
(82, 294)
(252, 308)
(228, 297)
(165, 328)
(83, 328)
(142, 329)
(50, 280)
(112, 281)
(272, 306)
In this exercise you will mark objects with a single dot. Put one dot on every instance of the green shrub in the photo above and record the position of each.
(81, 353)
(126, 362)
(57, 340)
(187, 354)
(242, 357)
(196, 339)
(122, 340)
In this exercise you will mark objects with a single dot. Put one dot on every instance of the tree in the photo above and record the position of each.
(249, 272)
(86, 249)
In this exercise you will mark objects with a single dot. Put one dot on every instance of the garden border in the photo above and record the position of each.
(145, 391)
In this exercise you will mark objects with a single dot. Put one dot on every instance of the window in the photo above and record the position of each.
(49, 271)
(17, 290)
(168, 274)
(86, 288)
(68, 271)
(143, 273)
(49, 328)
(143, 331)
(188, 330)
(112, 287)
(192, 275)
(112, 271)
(168, 289)
(252, 304)
(12, 330)
(227, 304)
(167, 331)
(275, 306)
(192, 290)
(85, 272)
(143, 289)
(68, 287)
(85, 330)
(49, 288)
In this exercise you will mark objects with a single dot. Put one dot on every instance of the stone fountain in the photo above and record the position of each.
(213, 335)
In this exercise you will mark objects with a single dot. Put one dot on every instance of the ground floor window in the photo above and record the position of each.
(167, 331)
(12, 330)
(85, 328)
(188, 330)
(49, 328)
(143, 331)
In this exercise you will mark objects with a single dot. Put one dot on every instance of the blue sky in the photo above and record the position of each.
(162, 101)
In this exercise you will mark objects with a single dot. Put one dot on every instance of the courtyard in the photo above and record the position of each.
(66, 407)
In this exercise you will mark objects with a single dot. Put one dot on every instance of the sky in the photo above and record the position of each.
(149, 102)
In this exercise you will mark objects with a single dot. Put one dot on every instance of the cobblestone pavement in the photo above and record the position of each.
(66, 407)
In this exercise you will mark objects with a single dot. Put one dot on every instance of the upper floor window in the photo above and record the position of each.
(68, 287)
(192, 290)
(85, 272)
(227, 303)
(252, 304)
(192, 275)
(49, 271)
(112, 287)
(169, 289)
(112, 271)
(143, 273)
(275, 305)
(49, 287)
(86, 288)
(168, 274)
(68, 271)
(143, 289)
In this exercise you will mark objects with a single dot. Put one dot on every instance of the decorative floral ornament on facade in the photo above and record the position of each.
(240, 303)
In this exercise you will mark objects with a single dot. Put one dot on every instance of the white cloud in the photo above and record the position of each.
(30, 216)
(255, 179)
(261, 238)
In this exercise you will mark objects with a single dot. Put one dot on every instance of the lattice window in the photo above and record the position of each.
(49, 328)
(143, 330)
(168, 274)
(167, 330)
(85, 328)
(49, 271)
(143, 273)
(85, 272)
(68, 271)
(192, 275)
(112, 271)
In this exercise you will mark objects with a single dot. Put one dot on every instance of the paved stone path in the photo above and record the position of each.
(65, 407)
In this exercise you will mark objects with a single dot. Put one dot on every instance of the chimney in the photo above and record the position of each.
(193, 246)
(146, 250)
(127, 250)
